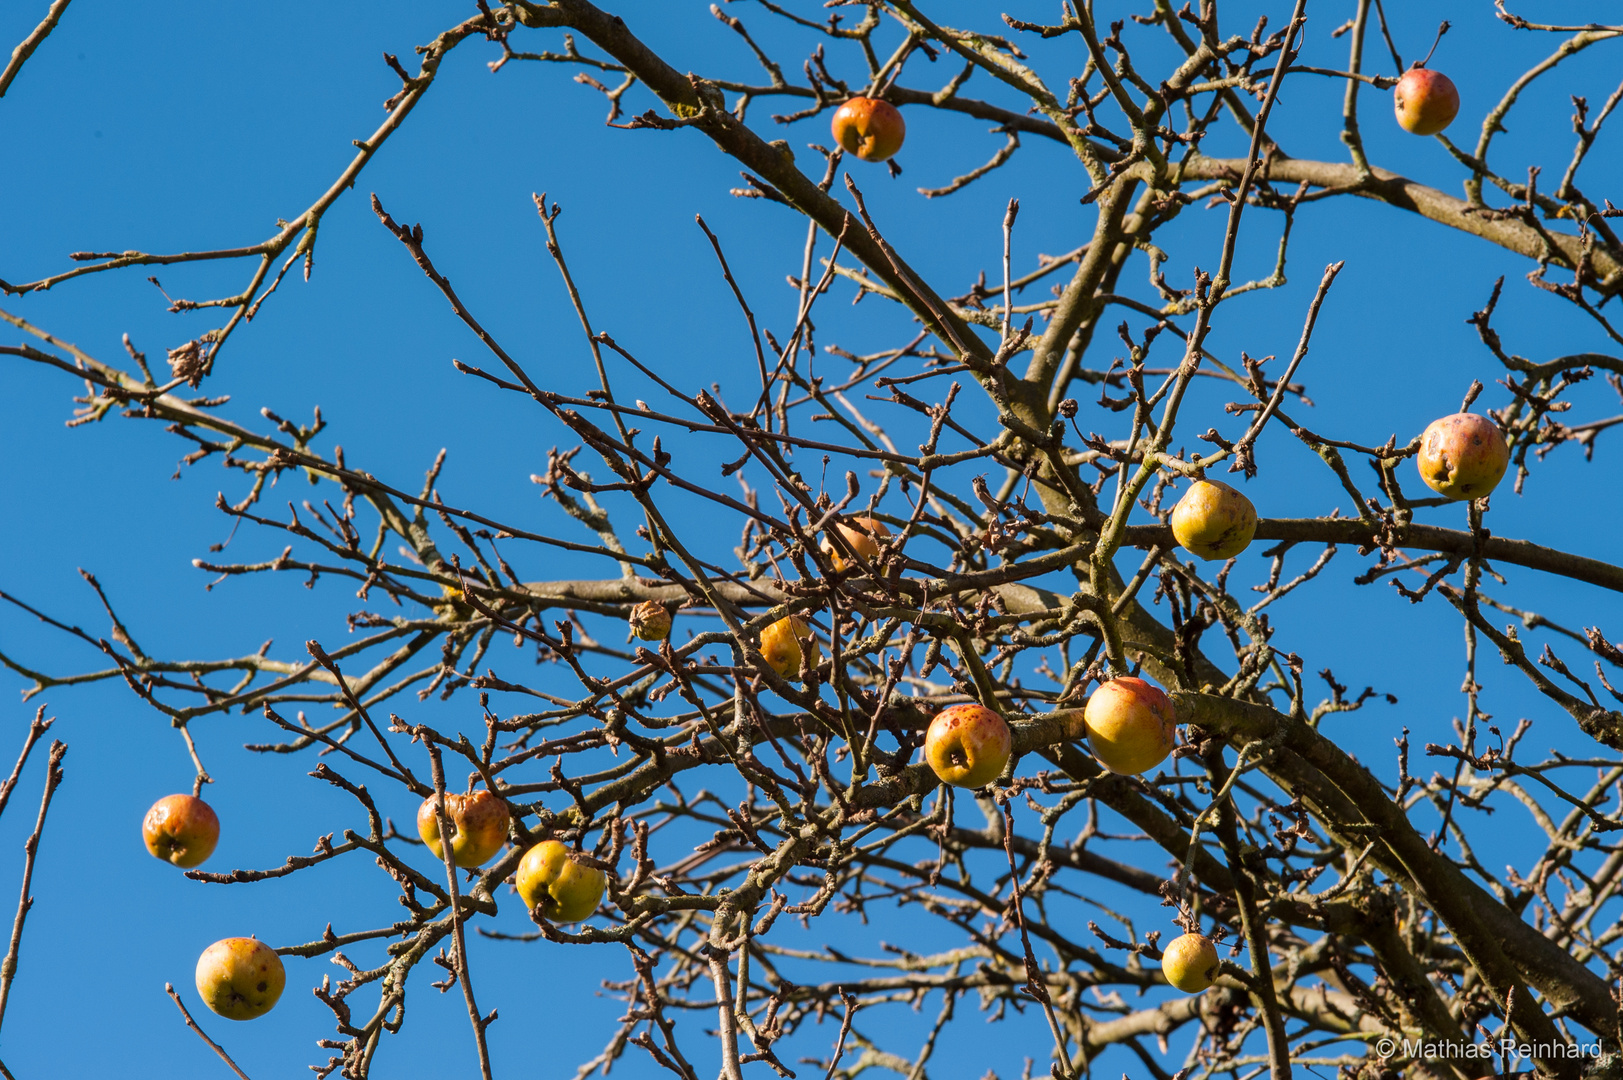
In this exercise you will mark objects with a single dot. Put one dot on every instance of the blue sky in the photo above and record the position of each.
(168, 127)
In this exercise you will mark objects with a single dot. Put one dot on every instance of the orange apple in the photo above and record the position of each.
(786, 642)
(240, 978)
(1425, 101)
(181, 829)
(871, 129)
(1131, 725)
(651, 621)
(967, 745)
(1190, 963)
(864, 536)
(1462, 456)
(478, 822)
(1213, 520)
(566, 889)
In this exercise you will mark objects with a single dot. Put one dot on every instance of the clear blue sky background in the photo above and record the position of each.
(185, 126)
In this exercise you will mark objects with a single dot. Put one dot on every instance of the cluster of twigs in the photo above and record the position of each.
(1019, 594)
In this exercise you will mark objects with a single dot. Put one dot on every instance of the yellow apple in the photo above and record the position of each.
(456, 603)
(1213, 520)
(967, 745)
(1462, 456)
(651, 621)
(181, 829)
(1131, 726)
(567, 890)
(871, 129)
(786, 642)
(1190, 963)
(478, 823)
(864, 536)
(240, 978)
(1425, 101)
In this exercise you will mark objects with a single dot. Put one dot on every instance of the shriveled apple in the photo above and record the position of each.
(478, 822)
(651, 621)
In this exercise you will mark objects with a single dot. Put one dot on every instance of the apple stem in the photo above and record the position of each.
(1441, 30)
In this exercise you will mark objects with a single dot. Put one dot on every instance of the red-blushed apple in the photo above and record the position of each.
(1190, 963)
(567, 890)
(1462, 456)
(864, 536)
(785, 642)
(967, 745)
(181, 829)
(240, 978)
(1425, 101)
(871, 129)
(478, 827)
(651, 621)
(1213, 520)
(1131, 725)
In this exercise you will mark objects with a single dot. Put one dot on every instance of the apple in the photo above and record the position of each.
(566, 889)
(1190, 963)
(1131, 725)
(478, 823)
(455, 605)
(240, 978)
(1425, 101)
(967, 745)
(1213, 520)
(651, 621)
(1462, 456)
(871, 129)
(864, 536)
(785, 642)
(181, 829)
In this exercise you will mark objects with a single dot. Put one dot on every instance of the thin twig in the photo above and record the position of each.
(20, 55)
(53, 777)
(461, 958)
(169, 989)
(39, 727)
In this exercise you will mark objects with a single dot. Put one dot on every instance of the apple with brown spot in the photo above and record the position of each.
(567, 889)
(968, 745)
(1190, 963)
(870, 128)
(1131, 725)
(478, 823)
(181, 829)
(1213, 520)
(1462, 456)
(240, 978)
